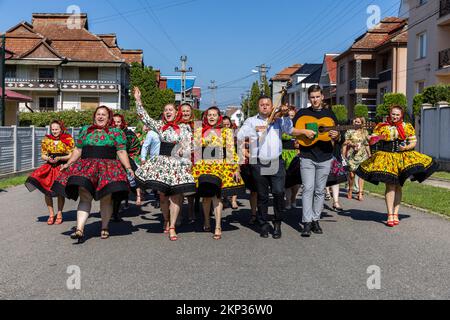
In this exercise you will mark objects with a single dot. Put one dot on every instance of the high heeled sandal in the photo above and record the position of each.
(173, 238)
(166, 227)
(104, 234)
(51, 220)
(206, 229)
(390, 223)
(396, 220)
(218, 236)
(59, 219)
(78, 235)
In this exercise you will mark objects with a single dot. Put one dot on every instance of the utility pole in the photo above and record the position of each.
(263, 69)
(184, 69)
(213, 88)
(2, 84)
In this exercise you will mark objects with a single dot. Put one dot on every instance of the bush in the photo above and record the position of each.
(391, 99)
(70, 118)
(361, 110)
(435, 94)
(341, 113)
(418, 101)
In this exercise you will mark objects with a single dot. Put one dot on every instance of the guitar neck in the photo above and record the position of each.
(343, 128)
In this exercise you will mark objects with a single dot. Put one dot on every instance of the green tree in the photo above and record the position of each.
(341, 113)
(153, 98)
(361, 110)
(267, 90)
(254, 97)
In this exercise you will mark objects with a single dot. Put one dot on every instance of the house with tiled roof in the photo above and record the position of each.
(375, 64)
(61, 65)
(297, 89)
(328, 78)
(428, 45)
(281, 80)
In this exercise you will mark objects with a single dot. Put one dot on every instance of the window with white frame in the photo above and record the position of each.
(421, 45)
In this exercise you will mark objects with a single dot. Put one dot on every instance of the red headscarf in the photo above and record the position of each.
(174, 123)
(63, 137)
(398, 124)
(106, 127)
(206, 127)
(124, 124)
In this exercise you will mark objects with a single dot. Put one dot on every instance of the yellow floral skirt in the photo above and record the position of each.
(216, 178)
(397, 167)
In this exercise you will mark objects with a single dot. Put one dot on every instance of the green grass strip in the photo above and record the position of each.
(420, 195)
(12, 182)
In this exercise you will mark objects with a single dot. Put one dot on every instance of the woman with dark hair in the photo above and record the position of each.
(216, 168)
(170, 172)
(394, 160)
(56, 149)
(133, 150)
(96, 171)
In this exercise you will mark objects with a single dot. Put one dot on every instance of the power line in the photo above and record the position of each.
(152, 15)
(301, 33)
(139, 32)
(137, 11)
(294, 51)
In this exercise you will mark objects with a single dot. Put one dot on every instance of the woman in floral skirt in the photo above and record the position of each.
(56, 149)
(170, 172)
(394, 161)
(96, 171)
(356, 150)
(216, 169)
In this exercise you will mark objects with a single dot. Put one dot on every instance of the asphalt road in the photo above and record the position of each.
(139, 262)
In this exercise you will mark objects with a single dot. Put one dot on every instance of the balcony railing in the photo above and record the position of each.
(31, 84)
(444, 8)
(77, 85)
(385, 76)
(364, 83)
(88, 85)
(444, 58)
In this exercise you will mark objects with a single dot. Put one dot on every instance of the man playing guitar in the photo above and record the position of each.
(316, 161)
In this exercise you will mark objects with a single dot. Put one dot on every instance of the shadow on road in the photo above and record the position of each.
(365, 215)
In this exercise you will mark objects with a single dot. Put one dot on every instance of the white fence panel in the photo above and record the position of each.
(6, 150)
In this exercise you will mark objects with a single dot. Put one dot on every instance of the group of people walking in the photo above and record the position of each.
(273, 152)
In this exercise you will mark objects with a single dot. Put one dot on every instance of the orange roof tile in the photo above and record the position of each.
(286, 74)
(52, 35)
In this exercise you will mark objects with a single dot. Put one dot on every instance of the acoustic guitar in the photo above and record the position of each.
(321, 127)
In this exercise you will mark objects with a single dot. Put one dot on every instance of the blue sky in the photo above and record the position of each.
(224, 40)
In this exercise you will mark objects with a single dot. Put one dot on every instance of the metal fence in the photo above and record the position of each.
(435, 131)
(20, 148)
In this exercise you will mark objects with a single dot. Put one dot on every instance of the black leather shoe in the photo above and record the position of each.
(277, 230)
(264, 231)
(307, 230)
(315, 227)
